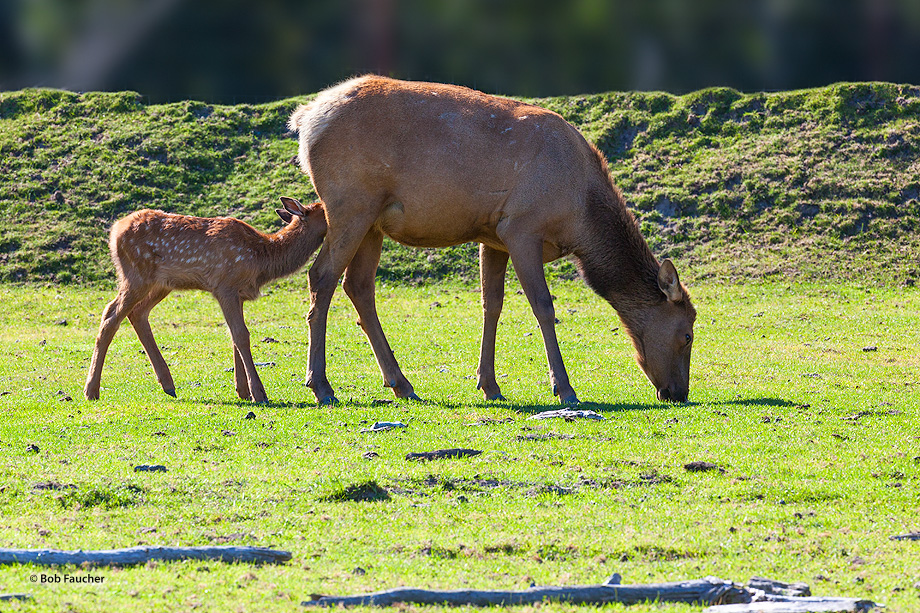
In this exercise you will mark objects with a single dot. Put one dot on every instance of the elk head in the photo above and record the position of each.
(663, 338)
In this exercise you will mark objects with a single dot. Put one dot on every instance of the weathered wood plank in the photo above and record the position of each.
(141, 555)
(798, 605)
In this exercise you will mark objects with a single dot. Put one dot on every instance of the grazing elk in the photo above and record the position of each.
(156, 252)
(434, 165)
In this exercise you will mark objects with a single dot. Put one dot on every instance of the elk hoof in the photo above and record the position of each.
(328, 401)
(171, 392)
(413, 396)
(496, 397)
(570, 401)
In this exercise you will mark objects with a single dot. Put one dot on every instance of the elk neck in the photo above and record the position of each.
(287, 250)
(615, 260)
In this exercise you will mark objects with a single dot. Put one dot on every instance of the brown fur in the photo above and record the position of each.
(434, 165)
(156, 252)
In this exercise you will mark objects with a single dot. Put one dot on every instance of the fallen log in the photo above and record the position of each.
(710, 590)
(141, 555)
(771, 586)
(722, 596)
(9, 597)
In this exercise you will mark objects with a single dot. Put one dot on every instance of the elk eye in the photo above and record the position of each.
(689, 338)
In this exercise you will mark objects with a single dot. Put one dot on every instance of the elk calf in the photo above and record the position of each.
(156, 252)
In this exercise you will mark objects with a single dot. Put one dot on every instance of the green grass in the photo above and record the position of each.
(814, 184)
(819, 439)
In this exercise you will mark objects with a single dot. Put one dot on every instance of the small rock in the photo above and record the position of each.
(699, 467)
(150, 468)
(383, 426)
(269, 339)
(359, 571)
(370, 455)
(870, 348)
(250, 415)
(61, 322)
(568, 414)
(32, 448)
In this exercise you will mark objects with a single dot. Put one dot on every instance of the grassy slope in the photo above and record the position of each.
(821, 183)
(818, 439)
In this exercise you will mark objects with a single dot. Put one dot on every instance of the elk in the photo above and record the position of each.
(434, 165)
(156, 252)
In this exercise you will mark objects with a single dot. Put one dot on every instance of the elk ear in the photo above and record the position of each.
(668, 282)
(293, 206)
(284, 215)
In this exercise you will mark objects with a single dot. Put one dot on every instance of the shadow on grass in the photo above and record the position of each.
(598, 407)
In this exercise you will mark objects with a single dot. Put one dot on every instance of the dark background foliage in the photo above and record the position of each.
(232, 51)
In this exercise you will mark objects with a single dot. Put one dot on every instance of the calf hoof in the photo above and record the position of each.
(91, 395)
(496, 397)
(171, 392)
(413, 396)
(327, 401)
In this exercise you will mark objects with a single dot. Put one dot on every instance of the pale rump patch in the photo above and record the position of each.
(311, 120)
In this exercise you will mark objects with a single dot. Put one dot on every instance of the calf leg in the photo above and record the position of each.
(492, 266)
(359, 285)
(115, 312)
(139, 318)
(240, 381)
(232, 306)
(527, 258)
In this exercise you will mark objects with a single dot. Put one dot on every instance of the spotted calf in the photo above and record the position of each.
(156, 252)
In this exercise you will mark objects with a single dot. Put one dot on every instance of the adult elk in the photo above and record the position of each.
(434, 165)
(156, 252)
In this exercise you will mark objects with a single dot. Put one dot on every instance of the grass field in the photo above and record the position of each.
(807, 397)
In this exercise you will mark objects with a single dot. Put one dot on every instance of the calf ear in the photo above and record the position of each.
(293, 206)
(668, 282)
(284, 215)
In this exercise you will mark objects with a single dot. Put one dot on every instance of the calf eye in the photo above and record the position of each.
(689, 338)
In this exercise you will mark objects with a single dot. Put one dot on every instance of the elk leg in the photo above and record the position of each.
(114, 313)
(139, 318)
(492, 266)
(337, 251)
(527, 258)
(232, 306)
(359, 285)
